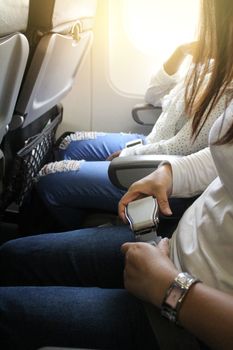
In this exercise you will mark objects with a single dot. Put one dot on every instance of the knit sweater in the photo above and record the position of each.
(172, 132)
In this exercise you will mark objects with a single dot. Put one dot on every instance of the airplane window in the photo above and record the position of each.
(142, 34)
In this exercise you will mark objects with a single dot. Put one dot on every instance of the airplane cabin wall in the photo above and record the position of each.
(94, 104)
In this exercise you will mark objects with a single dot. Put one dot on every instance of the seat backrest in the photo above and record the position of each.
(59, 33)
(13, 56)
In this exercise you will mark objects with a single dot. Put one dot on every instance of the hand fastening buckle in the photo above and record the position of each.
(142, 215)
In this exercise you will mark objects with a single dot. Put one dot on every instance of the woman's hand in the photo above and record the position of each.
(206, 312)
(189, 49)
(172, 65)
(158, 184)
(113, 155)
(148, 270)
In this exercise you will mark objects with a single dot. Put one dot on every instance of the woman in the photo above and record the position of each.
(66, 289)
(70, 187)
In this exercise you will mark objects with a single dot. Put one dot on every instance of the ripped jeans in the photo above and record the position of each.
(78, 182)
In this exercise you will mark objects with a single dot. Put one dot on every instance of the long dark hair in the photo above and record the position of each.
(215, 57)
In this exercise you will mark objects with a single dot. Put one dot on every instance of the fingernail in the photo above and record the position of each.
(168, 212)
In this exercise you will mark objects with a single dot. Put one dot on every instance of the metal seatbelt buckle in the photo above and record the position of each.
(143, 218)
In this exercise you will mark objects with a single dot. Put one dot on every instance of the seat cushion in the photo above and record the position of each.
(13, 16)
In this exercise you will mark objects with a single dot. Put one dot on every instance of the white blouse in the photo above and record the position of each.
(203, 241)
(172, 131)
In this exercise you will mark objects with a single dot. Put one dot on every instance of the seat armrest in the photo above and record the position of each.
(145, 107)
(123, 171)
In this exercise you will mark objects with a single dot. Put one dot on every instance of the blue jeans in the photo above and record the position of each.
(96, 146)
(66, 289)
(70, 194)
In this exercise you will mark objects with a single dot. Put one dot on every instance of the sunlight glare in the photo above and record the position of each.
(155, 24)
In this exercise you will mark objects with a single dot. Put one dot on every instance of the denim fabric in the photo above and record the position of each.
(66, 289)
(98, 148)
(70, 195)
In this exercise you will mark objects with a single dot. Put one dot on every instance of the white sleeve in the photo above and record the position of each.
(160, 85)
(192, 174)
(181, 143)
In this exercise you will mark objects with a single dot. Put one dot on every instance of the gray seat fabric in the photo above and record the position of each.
(13, 57)
(60, 34)
(13, 16)
(56, 16)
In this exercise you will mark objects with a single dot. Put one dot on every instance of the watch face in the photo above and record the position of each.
(174, 297)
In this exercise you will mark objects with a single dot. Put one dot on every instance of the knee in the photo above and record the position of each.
(7, 250)
(47, 186)
(14, 261)
(15, 252)
(8, 253)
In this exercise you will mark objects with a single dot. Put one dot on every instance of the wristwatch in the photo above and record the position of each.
(175, 295)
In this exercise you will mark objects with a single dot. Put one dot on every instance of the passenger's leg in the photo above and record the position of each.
(63, 299)
(89, 257)
(93, 146)
(69, 195)
(94, 318)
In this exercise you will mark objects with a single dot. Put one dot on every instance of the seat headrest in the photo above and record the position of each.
(13, 16)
